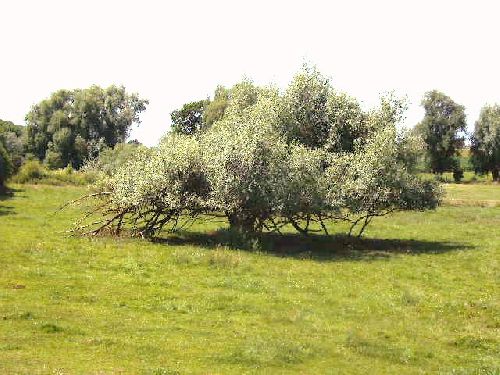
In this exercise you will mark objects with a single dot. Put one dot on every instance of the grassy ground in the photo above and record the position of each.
(418, 296)
(472, 195)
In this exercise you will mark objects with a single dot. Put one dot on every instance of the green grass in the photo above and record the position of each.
(472, 195)
(418, 296)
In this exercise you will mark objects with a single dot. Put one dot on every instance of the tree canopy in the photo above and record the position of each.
(72, 125)
(485, 145)
(441, 129)
(304, 157)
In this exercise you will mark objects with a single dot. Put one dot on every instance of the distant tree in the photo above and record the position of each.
(485, 142)
(72, 125)
(202, 114)
(9, 126)
(443, 122)
(189, 119)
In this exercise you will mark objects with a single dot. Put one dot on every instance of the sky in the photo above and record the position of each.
(175, 52)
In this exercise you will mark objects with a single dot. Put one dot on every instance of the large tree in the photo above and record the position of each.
(442, 130)
(267, 163)
(485, 145)
(72, 125)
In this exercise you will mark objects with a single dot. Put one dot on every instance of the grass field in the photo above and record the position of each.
(419, 295)
(472, 195)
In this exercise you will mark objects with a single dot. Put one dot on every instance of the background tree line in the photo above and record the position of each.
(69, 128)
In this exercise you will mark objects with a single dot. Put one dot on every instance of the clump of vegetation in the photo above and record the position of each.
(34, 172)
(31, 171)
(304, 157)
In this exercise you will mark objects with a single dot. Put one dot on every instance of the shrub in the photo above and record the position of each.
(31, 171)
(34, 172)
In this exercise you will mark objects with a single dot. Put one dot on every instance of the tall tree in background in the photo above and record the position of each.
(72, 125)
(189, 119)
(485, 147)
(443, 122)
(202, 114)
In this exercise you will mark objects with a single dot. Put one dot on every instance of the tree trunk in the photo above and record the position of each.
(241, 223)
(495, 174)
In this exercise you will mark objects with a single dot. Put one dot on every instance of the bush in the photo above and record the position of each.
(68, 176)
(34, 172)
(30, 172)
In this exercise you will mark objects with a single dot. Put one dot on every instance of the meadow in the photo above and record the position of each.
(417, 295)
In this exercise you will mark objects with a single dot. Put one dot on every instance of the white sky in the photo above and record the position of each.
(174, 53)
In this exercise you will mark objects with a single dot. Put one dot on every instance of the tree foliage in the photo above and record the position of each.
(13, 138)
(305, 114)
(441, 129)
(112, 159)
(215, 108)
(72, 125)
(303, 158)
(5, 166)
(485, 145)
